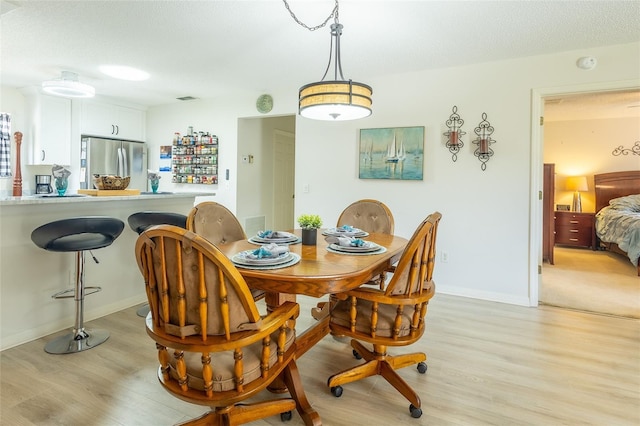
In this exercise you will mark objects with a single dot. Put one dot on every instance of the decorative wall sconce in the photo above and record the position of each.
(484, 141)
(454, 143)
(635, 150)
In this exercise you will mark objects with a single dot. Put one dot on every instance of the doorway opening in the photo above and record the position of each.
(568, 104)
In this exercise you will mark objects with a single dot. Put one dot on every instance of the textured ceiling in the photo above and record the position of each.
(587, 106)
(208, 48)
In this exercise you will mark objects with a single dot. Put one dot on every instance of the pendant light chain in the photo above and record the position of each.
(338, 99)
(334, 14)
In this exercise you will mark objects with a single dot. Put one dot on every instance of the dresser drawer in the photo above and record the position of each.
(574, 229)
(573, 236)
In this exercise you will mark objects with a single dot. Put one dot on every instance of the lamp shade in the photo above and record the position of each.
(577, 183)
(335, 100)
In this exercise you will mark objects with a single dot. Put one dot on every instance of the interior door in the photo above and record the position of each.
(283, 179)
(548, 213)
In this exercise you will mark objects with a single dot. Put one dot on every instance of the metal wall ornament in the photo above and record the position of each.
(634, 150)
(454, 143)
(484, 141)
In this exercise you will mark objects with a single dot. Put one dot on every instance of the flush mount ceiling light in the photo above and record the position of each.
(337, 99)
(124, 73)
(68, 86)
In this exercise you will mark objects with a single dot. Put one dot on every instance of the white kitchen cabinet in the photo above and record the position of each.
(47, 137)
(112, 121)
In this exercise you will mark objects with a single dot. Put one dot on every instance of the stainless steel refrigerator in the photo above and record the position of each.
(113, 157)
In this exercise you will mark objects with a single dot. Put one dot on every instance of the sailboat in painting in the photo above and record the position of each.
(367, 156)
(395, 155)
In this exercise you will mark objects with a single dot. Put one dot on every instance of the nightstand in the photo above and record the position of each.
(575, 229)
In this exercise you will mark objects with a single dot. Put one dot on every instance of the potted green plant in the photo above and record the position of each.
(309, 224)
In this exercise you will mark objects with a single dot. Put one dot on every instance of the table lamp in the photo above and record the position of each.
(577, 184)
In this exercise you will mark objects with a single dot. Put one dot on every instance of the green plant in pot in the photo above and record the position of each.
(309, 224)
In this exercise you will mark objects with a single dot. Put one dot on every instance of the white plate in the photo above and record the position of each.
(288, 238)
(242, 259)
(295, 258)
(337, 232)
(349, 249)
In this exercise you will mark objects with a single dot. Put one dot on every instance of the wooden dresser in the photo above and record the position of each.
(575, 229)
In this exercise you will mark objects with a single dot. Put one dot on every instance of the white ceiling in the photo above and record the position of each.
(207, 48)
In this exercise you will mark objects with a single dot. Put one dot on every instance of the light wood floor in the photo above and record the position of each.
(489, 364)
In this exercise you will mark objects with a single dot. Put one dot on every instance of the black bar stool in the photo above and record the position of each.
(143, 220)
(77, 234)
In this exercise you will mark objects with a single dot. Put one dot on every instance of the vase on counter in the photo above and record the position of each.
(61, 185)
(154, 185)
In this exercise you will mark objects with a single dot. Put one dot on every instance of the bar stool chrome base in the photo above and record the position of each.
(71, 343)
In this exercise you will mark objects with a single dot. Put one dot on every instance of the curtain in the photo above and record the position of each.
(5, 145)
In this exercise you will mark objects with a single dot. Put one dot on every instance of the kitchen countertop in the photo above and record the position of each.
(76, 198)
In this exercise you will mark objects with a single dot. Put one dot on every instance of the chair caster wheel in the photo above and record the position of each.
(356, 355)
(422, 367)
(286, 416)
(415, 411)
(336, 391)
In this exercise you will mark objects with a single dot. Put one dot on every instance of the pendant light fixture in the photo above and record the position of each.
(337, 99)
(68, 86)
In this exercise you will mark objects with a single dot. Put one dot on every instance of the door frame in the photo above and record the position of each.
(536, 168)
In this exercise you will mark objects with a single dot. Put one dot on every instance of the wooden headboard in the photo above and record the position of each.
(614, 185)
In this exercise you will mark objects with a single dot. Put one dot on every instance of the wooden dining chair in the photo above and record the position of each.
(393, 316)
(368, 215)
(214, 347)
(218, 225)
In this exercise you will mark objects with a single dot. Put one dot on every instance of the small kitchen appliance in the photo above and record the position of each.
(43, 184)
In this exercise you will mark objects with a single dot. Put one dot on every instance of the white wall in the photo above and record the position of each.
(255, 180)
(488, 216)
(585, 148)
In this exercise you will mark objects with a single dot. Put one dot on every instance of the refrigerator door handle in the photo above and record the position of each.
(125, 163)
(120, 165)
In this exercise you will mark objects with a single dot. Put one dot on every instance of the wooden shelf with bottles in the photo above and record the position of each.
(194, 158)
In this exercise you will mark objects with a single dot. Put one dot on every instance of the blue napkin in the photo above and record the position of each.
(265, 234)
(347, 241)
(269, 251)
(357, 242)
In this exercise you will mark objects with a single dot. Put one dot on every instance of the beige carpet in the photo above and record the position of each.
(594, 281)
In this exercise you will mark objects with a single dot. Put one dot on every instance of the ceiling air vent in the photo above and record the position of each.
(186, 98)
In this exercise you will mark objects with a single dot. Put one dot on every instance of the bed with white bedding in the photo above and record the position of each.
(618, 213)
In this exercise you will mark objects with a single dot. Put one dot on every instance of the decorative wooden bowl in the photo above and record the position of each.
(110, 182)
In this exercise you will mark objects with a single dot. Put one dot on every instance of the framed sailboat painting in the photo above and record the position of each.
(391, 153)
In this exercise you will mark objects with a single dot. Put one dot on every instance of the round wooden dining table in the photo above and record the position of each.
(320, 271)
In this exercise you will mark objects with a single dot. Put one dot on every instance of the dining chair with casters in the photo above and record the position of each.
(214, 347)
(218, 225)
(140, 221)
(370, 216)
(78, 234)
(393, 316)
